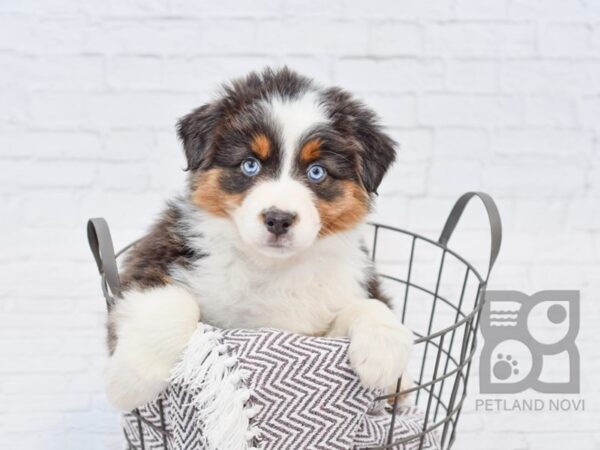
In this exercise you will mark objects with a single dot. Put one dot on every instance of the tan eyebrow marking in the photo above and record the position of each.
(261, 146)
(311, 150)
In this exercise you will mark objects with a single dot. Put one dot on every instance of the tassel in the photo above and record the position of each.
(220, 396)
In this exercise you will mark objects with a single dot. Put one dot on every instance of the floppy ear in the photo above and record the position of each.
(196, 131)
(378, 153)
(376, 150)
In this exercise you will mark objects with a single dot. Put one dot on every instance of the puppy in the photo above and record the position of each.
(268, 233)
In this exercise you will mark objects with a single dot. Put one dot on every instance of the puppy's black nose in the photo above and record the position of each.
(278, 222)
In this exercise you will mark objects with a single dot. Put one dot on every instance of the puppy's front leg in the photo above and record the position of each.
(152, 329)
(379, 344)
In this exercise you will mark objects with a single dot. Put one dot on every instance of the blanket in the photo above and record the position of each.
(268, 389)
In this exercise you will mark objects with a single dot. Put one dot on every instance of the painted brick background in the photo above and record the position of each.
(494, 95)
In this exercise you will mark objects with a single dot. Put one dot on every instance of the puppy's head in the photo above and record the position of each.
(287, 162)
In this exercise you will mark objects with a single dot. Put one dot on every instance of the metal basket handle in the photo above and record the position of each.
(493, 216)
(104, 253)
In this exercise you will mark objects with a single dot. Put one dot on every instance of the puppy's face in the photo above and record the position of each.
(286, 162)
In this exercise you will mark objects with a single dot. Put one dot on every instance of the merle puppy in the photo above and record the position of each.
(281, 175)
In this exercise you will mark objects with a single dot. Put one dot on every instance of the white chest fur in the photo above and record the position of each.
(302, 294)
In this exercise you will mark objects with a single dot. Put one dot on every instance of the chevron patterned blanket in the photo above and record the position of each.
(267, 389)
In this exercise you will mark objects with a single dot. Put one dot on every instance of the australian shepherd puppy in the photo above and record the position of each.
(268, 233)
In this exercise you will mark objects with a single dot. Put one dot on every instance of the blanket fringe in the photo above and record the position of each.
(220, 396)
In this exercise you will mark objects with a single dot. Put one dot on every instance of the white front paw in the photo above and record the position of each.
(153, 328)
(127, 388)
(379, 354)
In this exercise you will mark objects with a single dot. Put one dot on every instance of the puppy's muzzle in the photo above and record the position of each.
(278, 222)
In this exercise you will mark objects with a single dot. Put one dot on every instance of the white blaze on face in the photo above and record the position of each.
(292, 119)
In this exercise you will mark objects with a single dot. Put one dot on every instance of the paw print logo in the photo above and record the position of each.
(505, 367)
(527, 336)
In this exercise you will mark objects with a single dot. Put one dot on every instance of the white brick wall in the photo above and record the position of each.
(497, 95)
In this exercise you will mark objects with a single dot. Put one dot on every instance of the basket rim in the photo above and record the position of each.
(466, 318)
(385, 227)
(431, 241)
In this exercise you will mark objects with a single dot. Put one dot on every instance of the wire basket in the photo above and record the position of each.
(437, 293)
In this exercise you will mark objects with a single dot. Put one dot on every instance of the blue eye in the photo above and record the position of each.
(250, 167)
(316, 172)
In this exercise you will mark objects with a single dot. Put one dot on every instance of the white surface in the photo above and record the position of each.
(497, 95)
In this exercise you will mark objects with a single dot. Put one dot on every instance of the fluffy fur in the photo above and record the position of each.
(151, 337)
(213, 257)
